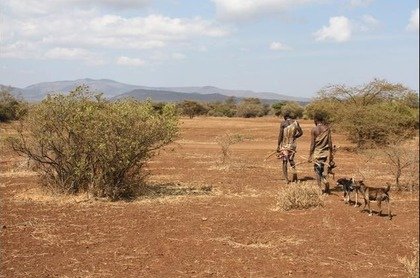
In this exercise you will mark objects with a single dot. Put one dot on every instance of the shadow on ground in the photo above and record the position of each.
(172, 189)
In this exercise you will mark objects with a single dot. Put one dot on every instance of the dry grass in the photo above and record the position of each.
(411, 265)
(300, 196)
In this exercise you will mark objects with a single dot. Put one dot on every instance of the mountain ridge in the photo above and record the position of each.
(114, 90)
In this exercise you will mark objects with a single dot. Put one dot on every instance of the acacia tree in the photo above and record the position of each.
(372, 113)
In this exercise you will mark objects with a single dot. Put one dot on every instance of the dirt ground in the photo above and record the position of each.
(204, 218)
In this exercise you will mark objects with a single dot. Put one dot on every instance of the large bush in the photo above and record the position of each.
(251, 108)
(11, 107)
(192, 108)
(80, 142)
(226, 108)
(293, 108)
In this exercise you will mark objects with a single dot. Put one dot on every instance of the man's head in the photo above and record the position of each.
(319, 118)
(287, 115)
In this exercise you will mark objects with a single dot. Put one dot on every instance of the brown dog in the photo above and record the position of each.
(373, 194)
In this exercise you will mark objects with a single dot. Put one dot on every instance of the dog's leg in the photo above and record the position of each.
(379, 206)
(364, 206)
(368, 203)
(356, 204)
(389, 208)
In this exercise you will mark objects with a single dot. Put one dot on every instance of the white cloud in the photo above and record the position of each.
(60, 53)
(359, 3)
(29, 36)
(246, 9)
(134, 62)
(279, 46)
(368, 23)
(413, 24)
(45, 7)
(339, 30)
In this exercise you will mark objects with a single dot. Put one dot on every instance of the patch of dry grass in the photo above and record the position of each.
(300, 196)
(411, 264)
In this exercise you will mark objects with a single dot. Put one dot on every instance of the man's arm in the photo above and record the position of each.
(280, 137)
(299, 131)
(330, 145)
(312, 148)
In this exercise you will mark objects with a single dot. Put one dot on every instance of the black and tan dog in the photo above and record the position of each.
(373, 194)
(348, 186)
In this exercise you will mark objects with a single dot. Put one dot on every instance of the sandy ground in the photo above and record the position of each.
(205, 218)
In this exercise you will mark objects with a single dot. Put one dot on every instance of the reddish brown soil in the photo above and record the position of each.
(183, 229)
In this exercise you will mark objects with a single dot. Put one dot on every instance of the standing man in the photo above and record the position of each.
(290, 130)
(321, 150)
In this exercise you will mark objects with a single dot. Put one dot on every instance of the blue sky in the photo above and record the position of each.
(292, 47)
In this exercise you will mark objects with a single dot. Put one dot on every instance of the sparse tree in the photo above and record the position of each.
(225, 141)
(371, 113)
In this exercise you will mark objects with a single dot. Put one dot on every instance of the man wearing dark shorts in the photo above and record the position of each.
(321, 150)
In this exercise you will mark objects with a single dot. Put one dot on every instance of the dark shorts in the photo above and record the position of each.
(319, 165)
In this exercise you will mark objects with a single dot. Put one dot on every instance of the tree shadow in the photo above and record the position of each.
(307, 178)
(160, 190)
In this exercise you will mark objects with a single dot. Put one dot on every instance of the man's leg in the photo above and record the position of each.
(284, 168)
(319, 171)
(293, 166)
(294, 172)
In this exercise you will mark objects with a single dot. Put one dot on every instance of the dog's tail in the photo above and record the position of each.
(388, 187)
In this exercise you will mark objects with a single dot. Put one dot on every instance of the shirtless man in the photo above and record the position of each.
(321, 149)
(290, 130)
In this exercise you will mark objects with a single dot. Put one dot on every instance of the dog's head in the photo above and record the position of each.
(358, 185)
(345, 183)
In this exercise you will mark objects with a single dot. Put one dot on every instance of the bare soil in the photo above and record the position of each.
(200, 217)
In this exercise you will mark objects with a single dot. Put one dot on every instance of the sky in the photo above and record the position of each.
(291, 47)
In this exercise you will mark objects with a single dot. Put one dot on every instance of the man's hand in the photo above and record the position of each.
(310, 159)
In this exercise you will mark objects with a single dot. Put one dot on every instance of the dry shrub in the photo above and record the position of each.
(225, 141)
(300, 196)
(411, 265)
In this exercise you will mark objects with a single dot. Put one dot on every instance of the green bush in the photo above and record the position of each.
(192, 108)
(295, 109)
(83, 143)
(222, 109)
(11, 108)
(276, 107)
(251, 108)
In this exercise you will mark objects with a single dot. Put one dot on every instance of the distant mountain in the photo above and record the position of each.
(227, 92)
(170, 96)
(114, 90)
(108, 87)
